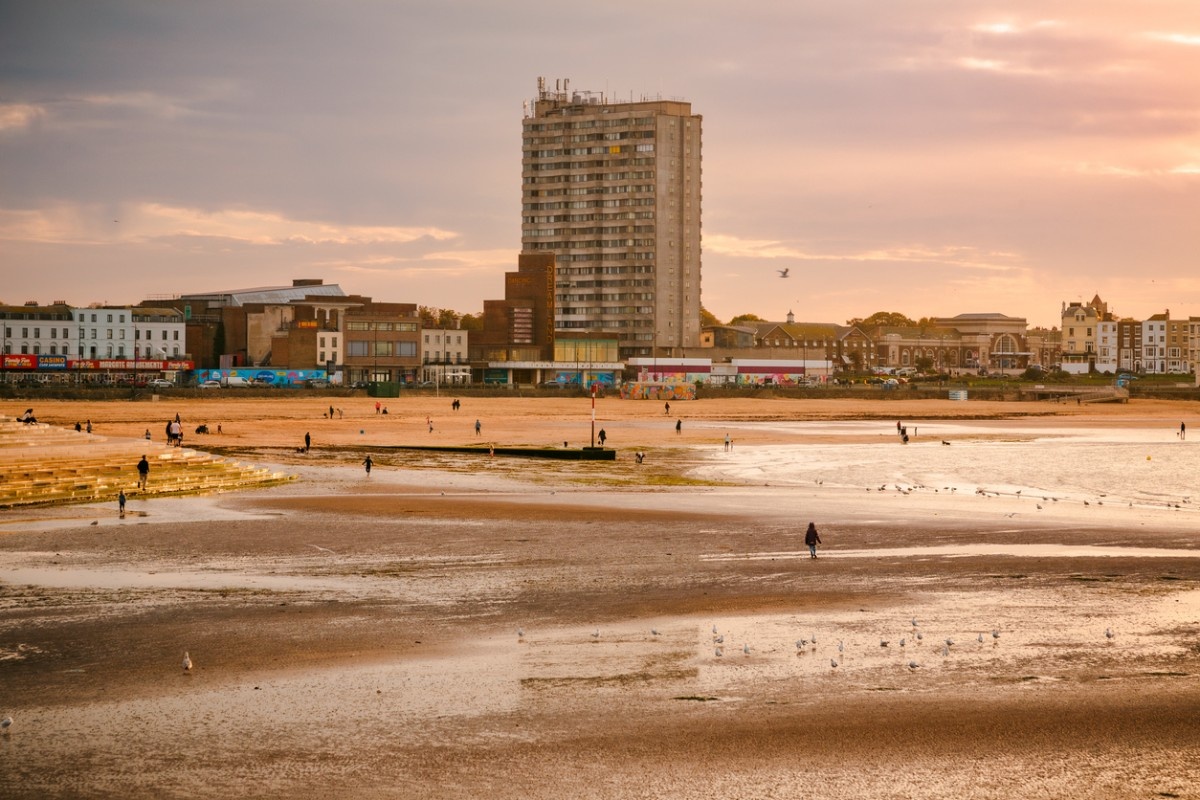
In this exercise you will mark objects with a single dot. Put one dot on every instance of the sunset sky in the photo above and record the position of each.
(931, 157)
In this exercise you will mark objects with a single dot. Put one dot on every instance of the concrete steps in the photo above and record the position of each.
(41, 465)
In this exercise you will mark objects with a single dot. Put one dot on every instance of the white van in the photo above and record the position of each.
(235, 382)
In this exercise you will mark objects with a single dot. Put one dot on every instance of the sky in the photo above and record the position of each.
(931, 157)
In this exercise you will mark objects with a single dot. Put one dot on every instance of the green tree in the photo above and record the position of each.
(471, 322)
(889, 319)
(744, 318)
(707, 318)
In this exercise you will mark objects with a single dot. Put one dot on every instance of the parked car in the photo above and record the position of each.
(209, 385)
(316, 383)
(160, 383)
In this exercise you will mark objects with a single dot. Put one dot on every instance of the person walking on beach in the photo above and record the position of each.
(1183, 430)
(478, 427)
(307, 442)
(667, 408)
(89, 426)
(121, 503)
(679, 426)
(367, 465)
(143, 468)
(602, 436)
(728, 443)
(812, 539)
(376, 406)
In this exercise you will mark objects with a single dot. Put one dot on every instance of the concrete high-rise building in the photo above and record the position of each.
(612, 189)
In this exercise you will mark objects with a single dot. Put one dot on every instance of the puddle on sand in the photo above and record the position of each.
(969, 551)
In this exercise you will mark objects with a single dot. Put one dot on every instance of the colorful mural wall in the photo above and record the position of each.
(638, 390)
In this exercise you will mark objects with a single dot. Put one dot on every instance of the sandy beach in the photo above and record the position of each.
(456, 625)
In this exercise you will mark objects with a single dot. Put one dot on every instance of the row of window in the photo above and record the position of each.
(584, 138)
(599, 163)
(589, 217)
(609, 230)
(363, 349)
(558, 205)
(598, 311)
(608, 121)
(90, 352)
(581, 191)
(610, 149)
(373, 325)
(138, 333)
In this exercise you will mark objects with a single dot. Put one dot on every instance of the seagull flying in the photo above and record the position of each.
(783, 273)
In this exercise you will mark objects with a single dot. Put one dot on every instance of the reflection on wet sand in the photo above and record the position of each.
(552, 639)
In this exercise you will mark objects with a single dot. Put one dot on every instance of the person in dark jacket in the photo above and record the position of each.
(812, 539)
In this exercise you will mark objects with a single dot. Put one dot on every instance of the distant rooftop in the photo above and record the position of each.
(298, 290)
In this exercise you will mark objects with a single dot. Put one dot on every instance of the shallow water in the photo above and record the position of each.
(1143, 468)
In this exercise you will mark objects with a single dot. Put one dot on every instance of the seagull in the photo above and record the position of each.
(746, 649)
(187, 662)
(1108, 632)
(995, 634)
(949, 642)
(914, 622)
(841, 646)
(5, 724)
(980, 639)
(718, 652)
(833, 663)
(714, 630)
(920, 636)
(913, 665)
(801, 644)
(520, 633)
(654, 632)
(945, 650)
(903, 641)
(883, 642)
(783, 273)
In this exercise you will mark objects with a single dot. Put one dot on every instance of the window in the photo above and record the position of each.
(407, 349)
(175, 335)
(354, 348)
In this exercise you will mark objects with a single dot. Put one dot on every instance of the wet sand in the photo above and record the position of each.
(358, 637)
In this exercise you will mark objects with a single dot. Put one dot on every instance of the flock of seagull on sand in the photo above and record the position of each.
(808, 645)
(982, 492)
(803, 646)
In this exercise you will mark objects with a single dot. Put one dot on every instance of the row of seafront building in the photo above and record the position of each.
(310, 329)
(608, 285)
